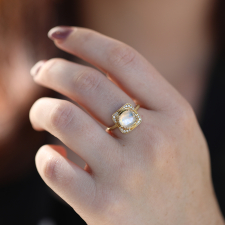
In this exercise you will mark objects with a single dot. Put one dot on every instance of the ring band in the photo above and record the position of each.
(126, 118)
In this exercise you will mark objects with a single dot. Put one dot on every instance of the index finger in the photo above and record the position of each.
(124, 65)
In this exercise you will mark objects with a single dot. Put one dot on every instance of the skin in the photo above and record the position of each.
(176, 37)
(102, 191)
(186, 70)
(148, 176)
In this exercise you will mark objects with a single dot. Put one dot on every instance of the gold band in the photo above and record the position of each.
(116, 118)
(137, 107)
(112, 128)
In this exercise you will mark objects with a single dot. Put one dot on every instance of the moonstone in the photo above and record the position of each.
(127, 119)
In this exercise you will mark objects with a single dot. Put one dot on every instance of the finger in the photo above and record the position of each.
(68, 180)
(74, 128)
(87, 86)
(126, 67)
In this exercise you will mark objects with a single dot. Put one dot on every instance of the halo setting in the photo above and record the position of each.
(126, 118)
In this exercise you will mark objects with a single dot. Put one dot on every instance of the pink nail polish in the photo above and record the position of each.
(36, 68)
(59, 33)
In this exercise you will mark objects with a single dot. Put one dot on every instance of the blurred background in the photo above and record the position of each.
(184, 40)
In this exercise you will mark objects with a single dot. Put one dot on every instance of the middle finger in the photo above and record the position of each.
(85, 85)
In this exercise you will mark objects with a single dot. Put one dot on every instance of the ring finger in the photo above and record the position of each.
(85, 85)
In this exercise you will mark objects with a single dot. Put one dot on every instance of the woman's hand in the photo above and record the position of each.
(159, 173)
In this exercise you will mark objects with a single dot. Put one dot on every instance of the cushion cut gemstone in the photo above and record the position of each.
(127, 118)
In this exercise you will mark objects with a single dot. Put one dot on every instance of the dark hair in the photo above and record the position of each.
(29, 21)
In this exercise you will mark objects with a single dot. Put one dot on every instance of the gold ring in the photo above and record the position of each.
(126, 118)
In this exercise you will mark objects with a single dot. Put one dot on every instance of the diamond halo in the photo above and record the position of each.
(126, 118)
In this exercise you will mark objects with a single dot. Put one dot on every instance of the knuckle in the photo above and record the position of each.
(61, 115)
(53, 169)
(184, 114)
(87, 81)
(51, 64)
(50, 69)
(154, 137)
(50, 167)
(155, 140)
(159, 144)
(121, 55)
(88, 35)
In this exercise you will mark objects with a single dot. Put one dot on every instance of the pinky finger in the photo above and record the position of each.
(65, 178)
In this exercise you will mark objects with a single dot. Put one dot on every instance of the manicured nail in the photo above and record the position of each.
(59, 33)
(36, 68)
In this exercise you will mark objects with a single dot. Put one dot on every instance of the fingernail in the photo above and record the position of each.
(36, 68)
(59, 33)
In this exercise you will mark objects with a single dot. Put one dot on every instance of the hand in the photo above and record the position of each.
(159, 173)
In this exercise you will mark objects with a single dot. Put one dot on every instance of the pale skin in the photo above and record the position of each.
(149, 176)
(155, 23)
(183, 194)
